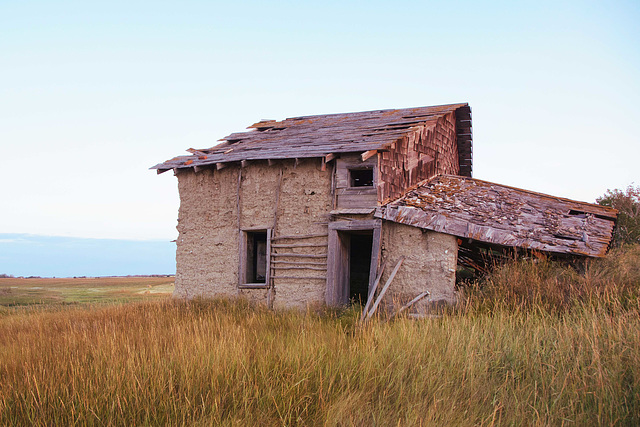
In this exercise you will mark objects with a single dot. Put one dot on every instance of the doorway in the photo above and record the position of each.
(354, 251)
(360, 244)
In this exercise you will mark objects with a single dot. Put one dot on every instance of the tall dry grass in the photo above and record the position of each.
(222, 363)
(540, 283)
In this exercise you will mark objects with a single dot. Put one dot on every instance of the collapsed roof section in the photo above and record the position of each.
(506, 216)
(328, 135)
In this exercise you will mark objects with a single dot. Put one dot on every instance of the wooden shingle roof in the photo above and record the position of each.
(320, 136)
(505, 216)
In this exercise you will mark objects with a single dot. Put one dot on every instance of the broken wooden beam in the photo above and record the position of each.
(372, 292)
(410, 304)
(385, 288)
(368, 154)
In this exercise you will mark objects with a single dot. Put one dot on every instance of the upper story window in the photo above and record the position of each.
(361, 177)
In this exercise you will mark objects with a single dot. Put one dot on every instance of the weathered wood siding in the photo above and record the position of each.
(421, 154)
(355, 197)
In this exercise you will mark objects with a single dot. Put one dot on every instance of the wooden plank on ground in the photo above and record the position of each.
(410, 304)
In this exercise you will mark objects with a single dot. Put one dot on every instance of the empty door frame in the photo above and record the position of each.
(335, 294)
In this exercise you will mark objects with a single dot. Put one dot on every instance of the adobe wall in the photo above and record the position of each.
(207, 233)
(208, 253)
(429, 264)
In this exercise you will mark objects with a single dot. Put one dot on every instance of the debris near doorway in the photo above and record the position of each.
(409, 304)
(367, 315)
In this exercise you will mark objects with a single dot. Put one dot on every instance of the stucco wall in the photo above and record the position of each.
(429, 264)
(207, 233)
(208, 243)
(208, 251)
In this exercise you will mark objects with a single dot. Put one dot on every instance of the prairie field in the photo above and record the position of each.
(536, 343)
(30, 292)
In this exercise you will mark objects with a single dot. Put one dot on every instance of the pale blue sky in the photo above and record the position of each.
(94, 93)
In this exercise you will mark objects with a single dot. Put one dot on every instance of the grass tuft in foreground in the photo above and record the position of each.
(220, 362)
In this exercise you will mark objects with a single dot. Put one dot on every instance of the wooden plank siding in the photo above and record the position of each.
(355, 197)
(427, 151)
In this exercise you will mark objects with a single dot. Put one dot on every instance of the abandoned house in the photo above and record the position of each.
(319, 209)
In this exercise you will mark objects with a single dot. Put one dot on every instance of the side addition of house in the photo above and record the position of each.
(311, 210)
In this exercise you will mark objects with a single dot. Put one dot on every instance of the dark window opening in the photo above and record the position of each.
(359, 266)
(256, 257)
(361, 177)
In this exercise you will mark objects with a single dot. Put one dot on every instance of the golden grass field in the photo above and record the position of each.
(537, 344)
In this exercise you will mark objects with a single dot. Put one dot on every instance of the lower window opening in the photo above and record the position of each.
(256, 257)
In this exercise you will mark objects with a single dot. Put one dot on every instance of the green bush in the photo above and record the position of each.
(627, 202)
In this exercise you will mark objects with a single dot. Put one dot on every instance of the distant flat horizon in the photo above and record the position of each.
(24, 255)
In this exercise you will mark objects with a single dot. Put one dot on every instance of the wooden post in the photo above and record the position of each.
(269, 277)
(270, 236)
(240, 236)
(333, 186)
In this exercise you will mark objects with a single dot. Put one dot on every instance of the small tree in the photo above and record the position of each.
(627, 203)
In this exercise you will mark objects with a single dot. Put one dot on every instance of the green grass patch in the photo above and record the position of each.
(19, 292)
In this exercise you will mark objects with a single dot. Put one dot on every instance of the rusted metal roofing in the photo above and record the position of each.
(320, 136)
(506, 216)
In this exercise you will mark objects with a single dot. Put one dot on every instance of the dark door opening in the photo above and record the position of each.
(352, 260)
(360, 244)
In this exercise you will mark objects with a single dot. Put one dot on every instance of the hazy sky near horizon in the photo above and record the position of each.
(94, 93)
